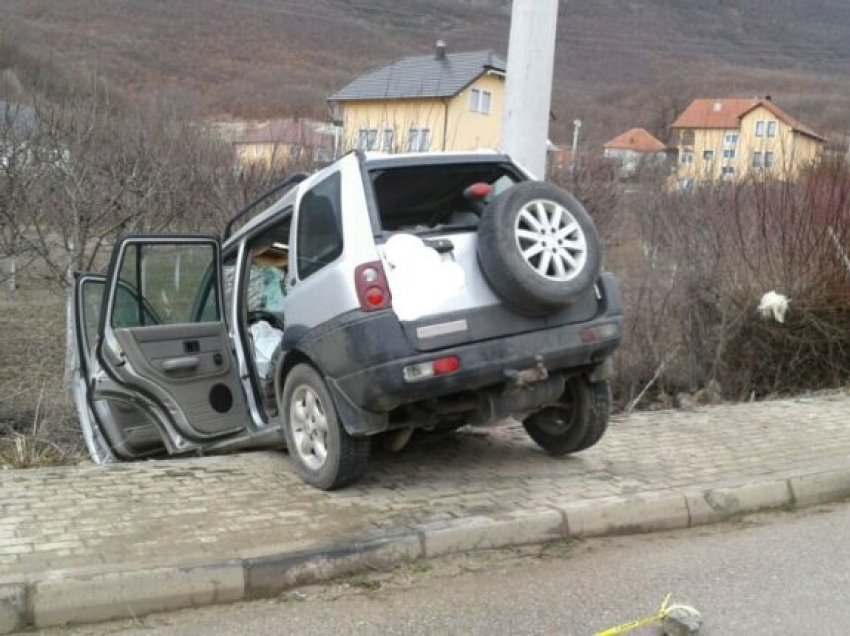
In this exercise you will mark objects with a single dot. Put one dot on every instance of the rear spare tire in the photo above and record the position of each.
(538, 247)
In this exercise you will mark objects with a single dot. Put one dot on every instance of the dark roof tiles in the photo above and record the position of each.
(422, 76)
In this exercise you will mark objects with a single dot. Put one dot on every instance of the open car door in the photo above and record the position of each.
(153, 355)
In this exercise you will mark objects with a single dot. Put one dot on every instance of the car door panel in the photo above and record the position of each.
(129, 430)
(187, 365)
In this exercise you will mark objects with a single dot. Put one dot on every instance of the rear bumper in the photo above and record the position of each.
(381, 387)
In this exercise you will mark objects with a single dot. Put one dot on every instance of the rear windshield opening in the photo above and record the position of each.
(423, 199)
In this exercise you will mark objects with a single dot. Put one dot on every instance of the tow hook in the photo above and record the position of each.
(522, 379)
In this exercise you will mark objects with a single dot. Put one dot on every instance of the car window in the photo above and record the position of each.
(319, 227)
(162, 283)
(428, 197)
(125, 310)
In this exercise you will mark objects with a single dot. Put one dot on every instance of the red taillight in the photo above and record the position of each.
(433, 368)
(446, 365)
(371, 285)
(478, 191)
(375, 297)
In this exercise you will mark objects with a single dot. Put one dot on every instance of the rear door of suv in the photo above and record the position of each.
(428, 215)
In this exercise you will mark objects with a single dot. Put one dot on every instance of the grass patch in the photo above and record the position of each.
(38, 425)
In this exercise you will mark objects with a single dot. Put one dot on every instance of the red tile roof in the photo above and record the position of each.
(727, 113)
(788, 119)
(714, 113)
(285, 131)
(637, 139)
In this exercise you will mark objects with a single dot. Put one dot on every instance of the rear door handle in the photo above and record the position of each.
(180, 364)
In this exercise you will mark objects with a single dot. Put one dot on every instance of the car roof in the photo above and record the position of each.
(372, 161)
(379, 160)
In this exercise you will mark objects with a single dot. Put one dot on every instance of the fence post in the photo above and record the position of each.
(8, 274)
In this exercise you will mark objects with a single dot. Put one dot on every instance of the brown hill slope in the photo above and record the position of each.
(620, 63)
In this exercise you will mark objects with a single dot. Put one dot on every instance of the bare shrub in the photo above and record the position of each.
(594, 182)
(704, 260)
(77, 172)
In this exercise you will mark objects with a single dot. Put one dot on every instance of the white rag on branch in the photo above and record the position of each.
(775, 305)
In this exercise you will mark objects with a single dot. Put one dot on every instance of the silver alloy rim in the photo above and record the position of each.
(309, 425)
(550, 240)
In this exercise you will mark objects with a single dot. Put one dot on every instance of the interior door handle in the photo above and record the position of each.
(180, 364)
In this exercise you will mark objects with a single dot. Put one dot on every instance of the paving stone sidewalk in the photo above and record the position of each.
(179, 511)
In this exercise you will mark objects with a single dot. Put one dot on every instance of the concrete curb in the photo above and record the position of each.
(88, 595)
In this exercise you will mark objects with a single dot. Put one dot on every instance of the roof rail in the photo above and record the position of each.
(291, 180)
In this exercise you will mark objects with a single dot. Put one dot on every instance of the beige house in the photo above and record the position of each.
(303, 143)
(733, 139)
(635, 149)
(443, 101)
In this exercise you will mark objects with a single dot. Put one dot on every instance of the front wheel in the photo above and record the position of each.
(577, 422)
(326, 456)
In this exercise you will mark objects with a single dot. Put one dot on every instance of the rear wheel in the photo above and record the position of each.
(326, 456)
(578, 422)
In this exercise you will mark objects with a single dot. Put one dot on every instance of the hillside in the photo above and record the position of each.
(619, 63)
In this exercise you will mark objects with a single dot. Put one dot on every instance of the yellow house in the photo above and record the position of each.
(444, 101)
(302, 143)
(733, 139)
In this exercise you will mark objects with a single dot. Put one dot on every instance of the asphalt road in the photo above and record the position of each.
(786, 573)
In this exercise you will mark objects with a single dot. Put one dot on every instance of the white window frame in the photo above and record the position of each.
(772, 127)
(760, 125)
(687, 159)
(727, 172)
(758, 159)
(387, 139)
(708, 155)
(769, 159)
(419, 139)
(730, 140)
(486, 102)
(729, 153)
(477, 99)
(370, 135)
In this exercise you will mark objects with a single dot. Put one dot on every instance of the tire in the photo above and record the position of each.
(325, 455)
(601, 413)
(575, 425)
(538, 247)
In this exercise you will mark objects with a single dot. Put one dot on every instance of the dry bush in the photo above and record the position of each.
(694, 279)
(82, 173)
(594, 182)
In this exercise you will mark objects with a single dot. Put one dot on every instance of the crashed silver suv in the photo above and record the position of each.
(380, 295)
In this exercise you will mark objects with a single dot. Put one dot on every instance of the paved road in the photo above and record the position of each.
(217, 508)
(786, 573)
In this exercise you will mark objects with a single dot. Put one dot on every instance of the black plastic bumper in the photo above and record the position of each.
(382, 387)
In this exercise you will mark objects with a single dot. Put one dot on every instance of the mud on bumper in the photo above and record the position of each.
(382, 387)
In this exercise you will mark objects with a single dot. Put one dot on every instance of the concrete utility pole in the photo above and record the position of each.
(528, 100)
(574, 150)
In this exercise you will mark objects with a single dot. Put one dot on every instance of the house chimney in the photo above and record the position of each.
(440, 50)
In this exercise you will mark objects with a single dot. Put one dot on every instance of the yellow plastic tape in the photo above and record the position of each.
(641, 622)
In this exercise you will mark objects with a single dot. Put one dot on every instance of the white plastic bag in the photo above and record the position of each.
(266, 339)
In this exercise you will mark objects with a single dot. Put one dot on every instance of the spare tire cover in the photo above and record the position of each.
(538, 247)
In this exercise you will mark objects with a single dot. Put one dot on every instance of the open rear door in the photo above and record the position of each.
(162, 375)
(83, 316)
